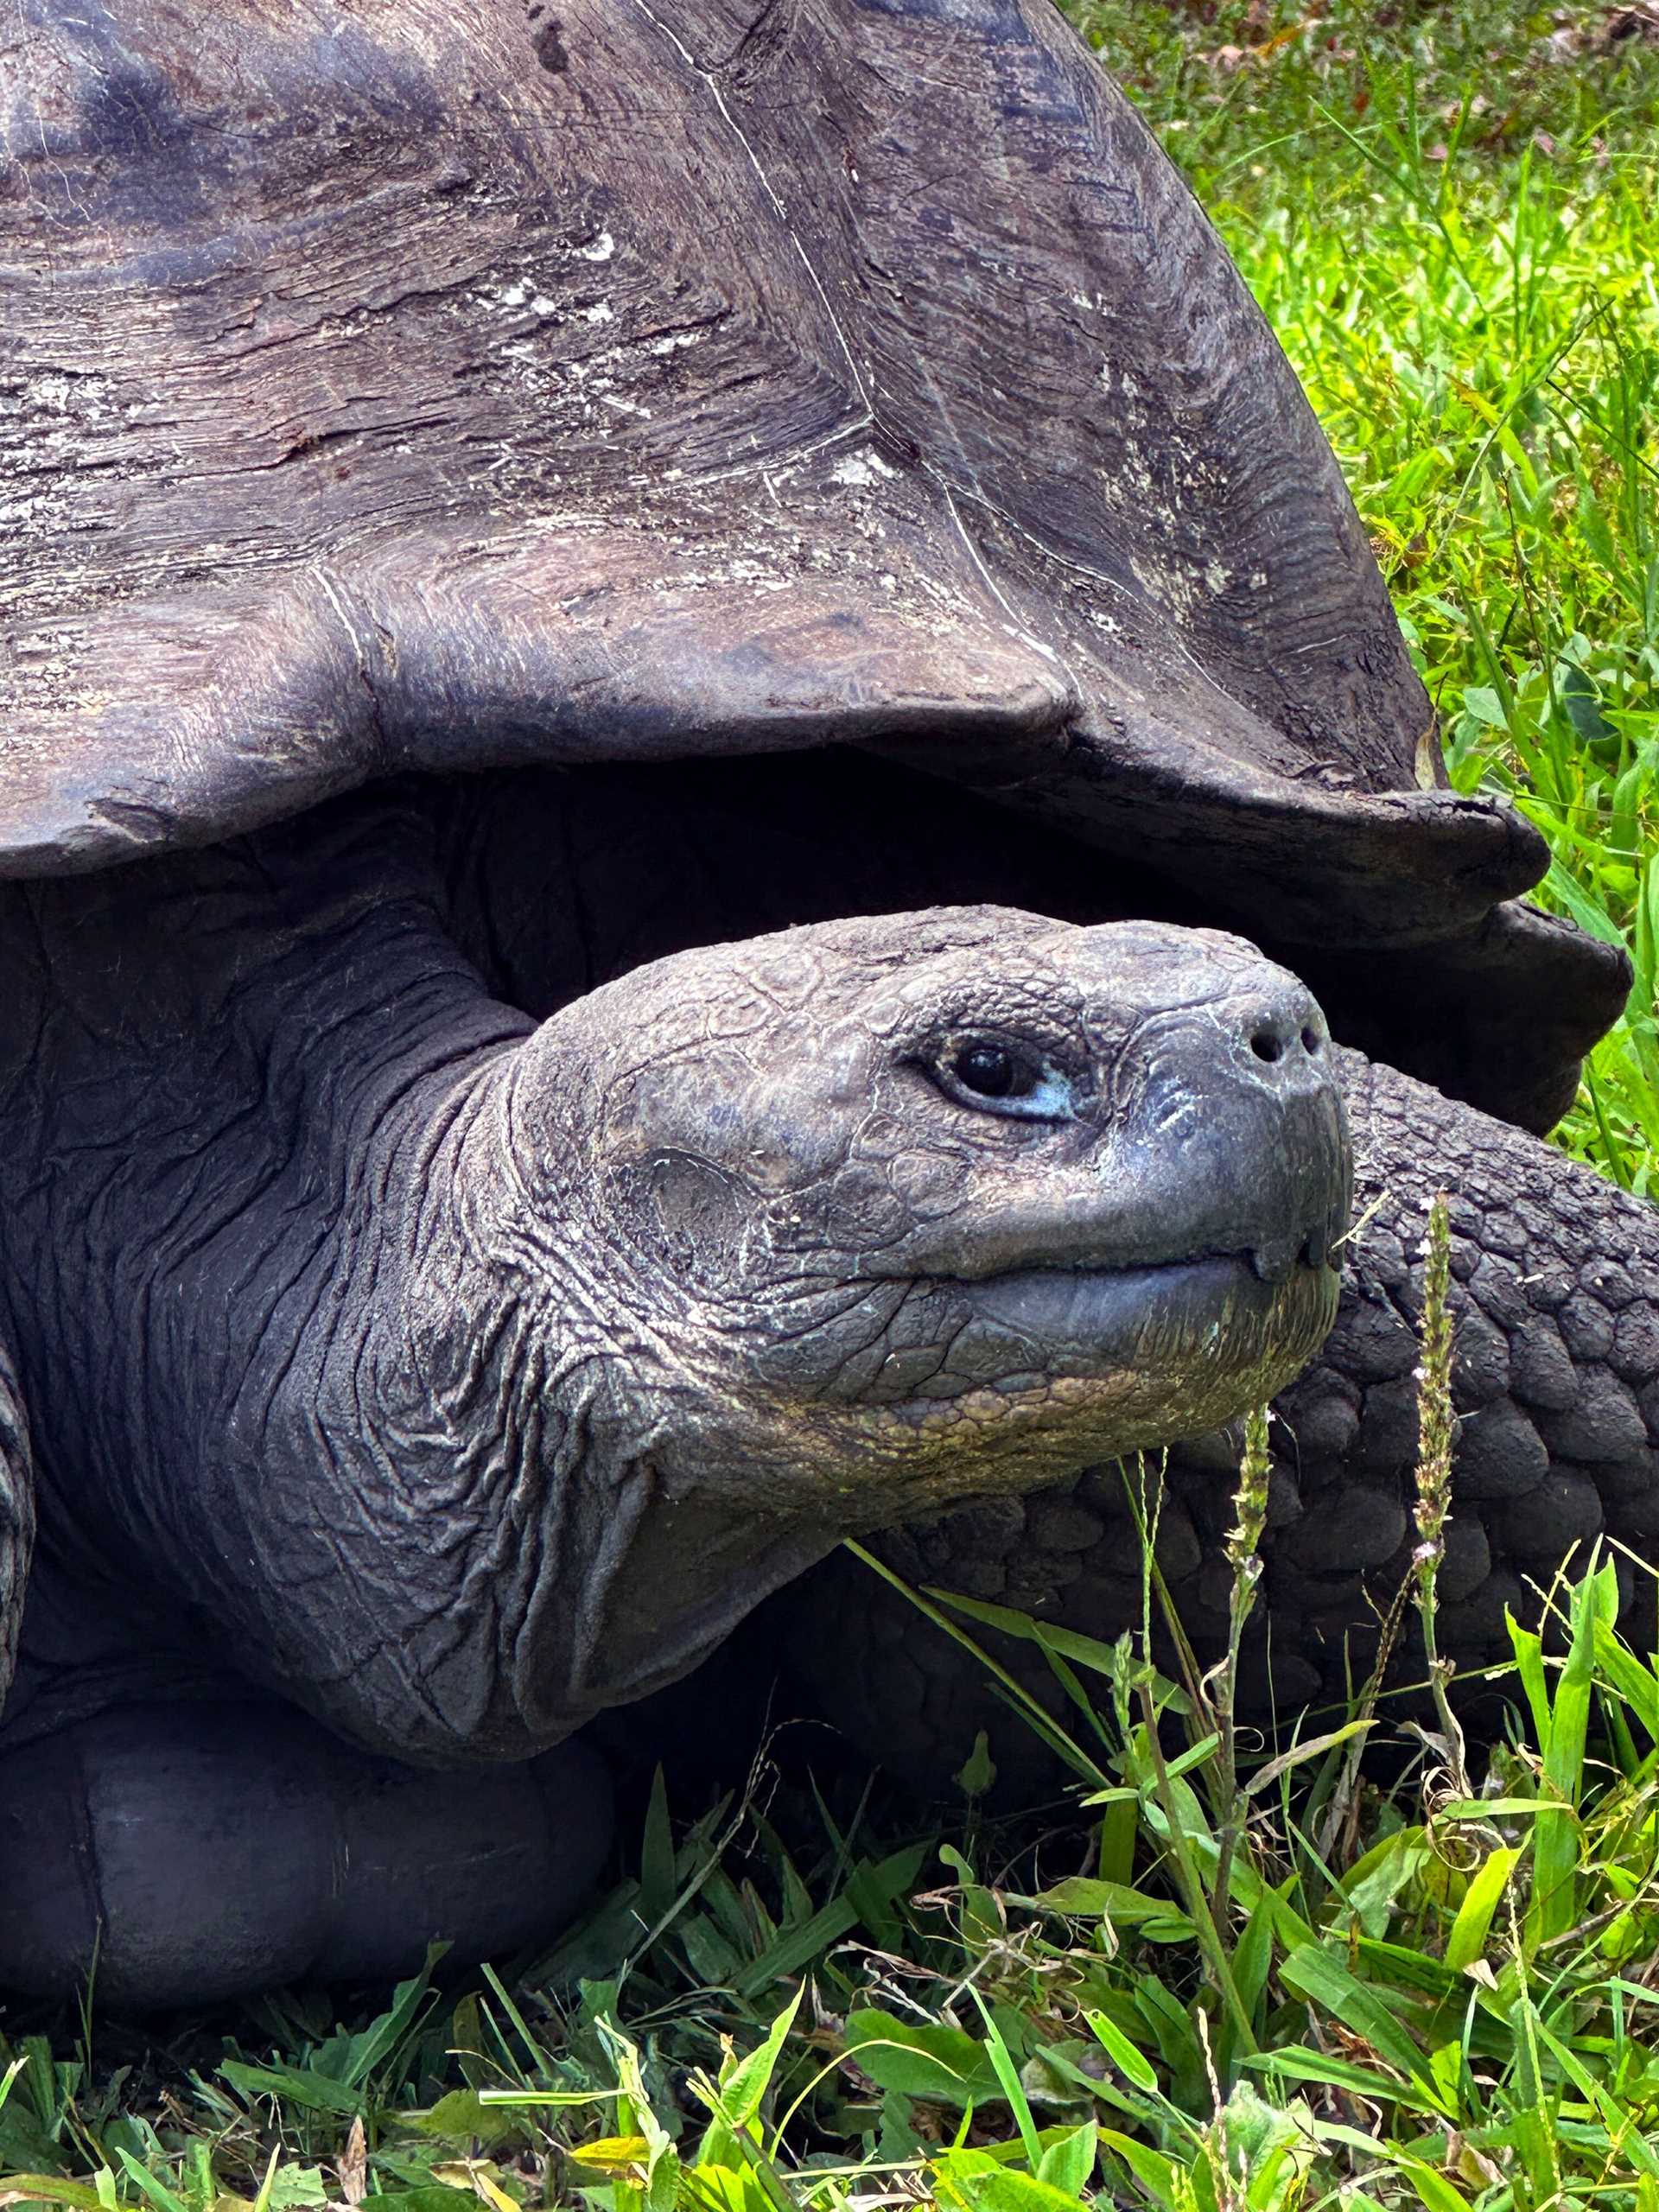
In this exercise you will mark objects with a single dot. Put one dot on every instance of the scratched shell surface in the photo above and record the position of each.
(391, 384)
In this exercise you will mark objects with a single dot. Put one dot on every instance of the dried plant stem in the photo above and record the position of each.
(1243, 1549)
(1436, 1429)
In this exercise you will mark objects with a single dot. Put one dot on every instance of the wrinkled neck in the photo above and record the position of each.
(231, 1065)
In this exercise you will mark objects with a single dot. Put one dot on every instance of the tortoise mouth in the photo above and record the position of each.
(1089, 1305)
(1140, 1354)
(1273, 1261)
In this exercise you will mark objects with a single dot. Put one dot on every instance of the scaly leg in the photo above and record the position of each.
(204, 1850)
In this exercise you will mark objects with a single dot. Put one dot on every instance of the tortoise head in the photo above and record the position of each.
(899, 1212)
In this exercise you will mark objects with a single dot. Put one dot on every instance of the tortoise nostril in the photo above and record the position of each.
(1268, 1045)
(1313, 1043)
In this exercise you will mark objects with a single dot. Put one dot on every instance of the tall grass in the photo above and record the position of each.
(1448, 213)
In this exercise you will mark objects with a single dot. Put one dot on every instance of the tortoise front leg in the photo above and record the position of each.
(180, 1854)
(1556, 1292)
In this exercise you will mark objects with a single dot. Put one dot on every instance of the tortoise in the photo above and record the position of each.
(693, 722)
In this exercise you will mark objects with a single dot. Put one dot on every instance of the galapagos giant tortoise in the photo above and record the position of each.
(656, 657)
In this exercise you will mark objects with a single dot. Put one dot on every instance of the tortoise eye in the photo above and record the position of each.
(992, 1071)
(996, 1078)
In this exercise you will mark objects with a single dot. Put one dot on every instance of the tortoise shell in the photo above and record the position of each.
(386, 385)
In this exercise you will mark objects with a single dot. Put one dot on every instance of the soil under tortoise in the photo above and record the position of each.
(507, 514)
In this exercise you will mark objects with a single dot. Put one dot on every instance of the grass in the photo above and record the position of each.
(1446, 211)
(1229, 1982)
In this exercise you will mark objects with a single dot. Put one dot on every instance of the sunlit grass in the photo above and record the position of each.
(1449, 215)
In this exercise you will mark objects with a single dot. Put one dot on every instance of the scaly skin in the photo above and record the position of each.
(451, 1378)
(1556, 1292)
